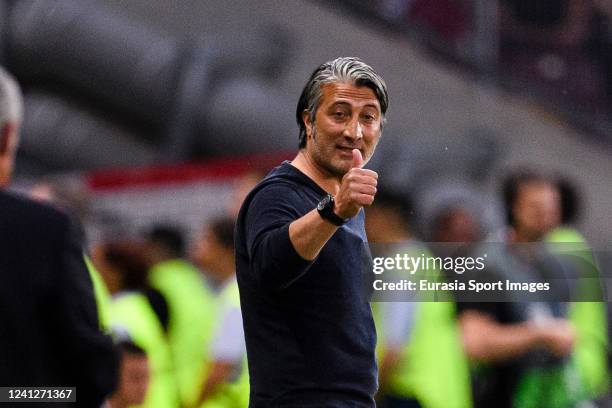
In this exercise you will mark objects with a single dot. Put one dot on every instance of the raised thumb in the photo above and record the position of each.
(357, 158)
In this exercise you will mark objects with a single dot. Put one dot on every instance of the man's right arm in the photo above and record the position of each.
(357, 189)
(310, 233)
(282, 242)
(274, 262)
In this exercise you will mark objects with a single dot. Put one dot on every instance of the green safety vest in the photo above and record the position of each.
(192, 314)
(433, 368)
(585, 376)
(132, 312)
(101, 294)
(235, 394)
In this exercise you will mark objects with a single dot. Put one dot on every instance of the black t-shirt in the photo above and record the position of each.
(309, 330)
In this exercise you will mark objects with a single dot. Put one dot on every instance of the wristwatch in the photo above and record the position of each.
(326, 210)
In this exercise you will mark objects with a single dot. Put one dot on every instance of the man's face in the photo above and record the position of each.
(134, 378)
(348, 117)
(537, 209)
(458, 225)
(208, 253)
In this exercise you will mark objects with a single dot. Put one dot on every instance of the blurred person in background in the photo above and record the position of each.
(421, 362)
(51, 333)
(530, 354)
(446, 19)
(242, 187)
(589, 317)
(456, 224)
(140, 312)
(226, 384)
(134, 377)
(557, 43)
(300, 244)
(600, 44)
(553, 23)
(58, 195)
(563, 228)
(191, 306)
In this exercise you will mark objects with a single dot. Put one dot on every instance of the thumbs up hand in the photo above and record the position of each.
(357, 189)
(357, 159)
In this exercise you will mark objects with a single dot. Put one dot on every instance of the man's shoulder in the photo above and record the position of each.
(280, 187)
(283, 176)
(283, 183)
(21, 211)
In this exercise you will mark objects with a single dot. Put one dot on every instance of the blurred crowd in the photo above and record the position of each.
(173, 307)
(172, 304)
(558, 49)
(508, 350)
(562, 45)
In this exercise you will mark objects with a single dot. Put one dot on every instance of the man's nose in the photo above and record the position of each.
(353, 129)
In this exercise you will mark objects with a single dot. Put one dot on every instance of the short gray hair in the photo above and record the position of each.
(341, 70)
(11, 101)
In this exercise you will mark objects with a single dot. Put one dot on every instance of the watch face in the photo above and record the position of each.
(323, 203)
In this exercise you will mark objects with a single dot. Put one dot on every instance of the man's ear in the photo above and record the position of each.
(307, 122)
(6, 134)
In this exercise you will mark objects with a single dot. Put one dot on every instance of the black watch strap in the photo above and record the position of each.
(326, 210)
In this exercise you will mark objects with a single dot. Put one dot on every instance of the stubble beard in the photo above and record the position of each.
(323, 162)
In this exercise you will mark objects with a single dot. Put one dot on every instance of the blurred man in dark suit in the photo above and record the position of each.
(49, 329)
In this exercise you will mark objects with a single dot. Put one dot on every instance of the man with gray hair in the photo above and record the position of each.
(50, 331)
(301, 246)
(11, 113)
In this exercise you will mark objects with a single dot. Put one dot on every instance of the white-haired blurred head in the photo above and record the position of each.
(11, 114)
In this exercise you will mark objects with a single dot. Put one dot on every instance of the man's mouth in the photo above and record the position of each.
(347, 150)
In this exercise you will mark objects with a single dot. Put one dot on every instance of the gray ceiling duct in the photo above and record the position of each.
(188, 94)
(68, 138)
(119, 62)
(248, 115)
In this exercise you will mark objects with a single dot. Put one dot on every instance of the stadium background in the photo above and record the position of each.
(148, 111)
(126, 84)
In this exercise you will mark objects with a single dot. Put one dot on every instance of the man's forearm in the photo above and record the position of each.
(488, 341)
(388, 363)
(309, 234)
(220, 372)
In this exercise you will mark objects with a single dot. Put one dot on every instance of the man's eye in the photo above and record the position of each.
(339, 115)
(369, 118)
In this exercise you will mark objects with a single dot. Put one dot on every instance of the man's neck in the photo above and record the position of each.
(324, 179)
